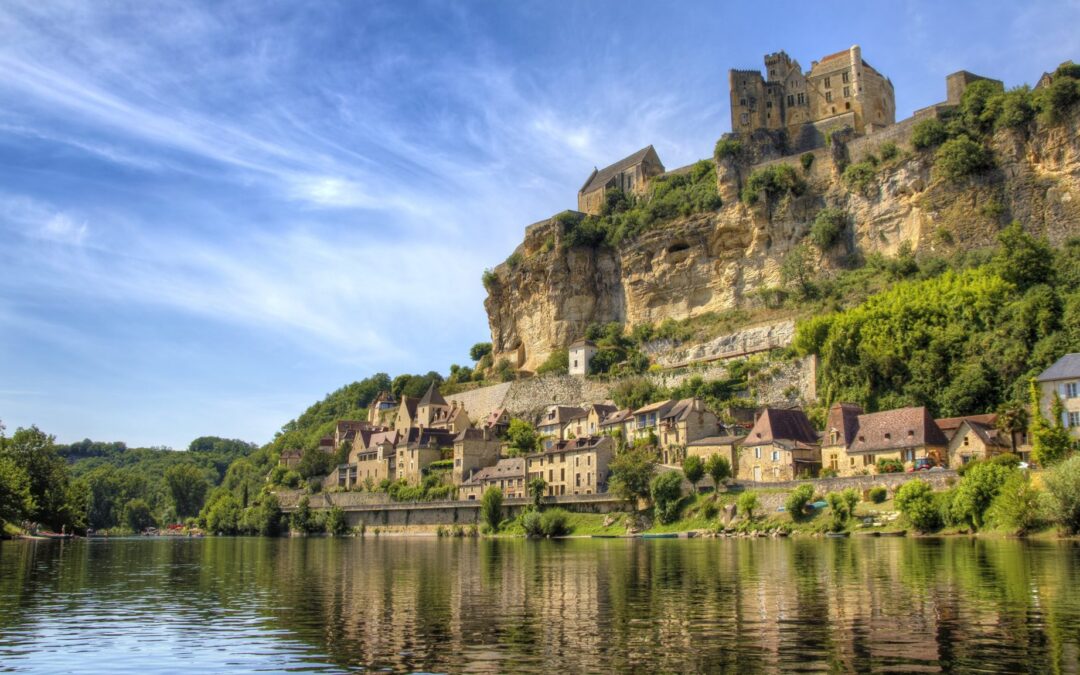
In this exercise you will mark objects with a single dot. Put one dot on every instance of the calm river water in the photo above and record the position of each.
(244, 605)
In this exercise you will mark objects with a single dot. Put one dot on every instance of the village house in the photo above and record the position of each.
(554, 419)
(782, 445)
(595, 416)
(674, 424)
(474, 449)
(974, 441)
(577, 466)
(725, 446)
(1063, 379)
(507, 474)
(290, 459)
(1018, 443)
(619, 423)
(418, 450)
(905, 434)
(630, 174)
(406, 413)
(371, 465)
(345, 431)
(841, 427)
(581, 353)
(381, 410)
(497, 422)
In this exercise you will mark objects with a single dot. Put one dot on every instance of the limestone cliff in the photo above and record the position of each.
(714, 261)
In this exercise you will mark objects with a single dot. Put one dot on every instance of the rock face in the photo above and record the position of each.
(713, 262)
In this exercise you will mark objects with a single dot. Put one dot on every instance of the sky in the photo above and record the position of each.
(213, 214)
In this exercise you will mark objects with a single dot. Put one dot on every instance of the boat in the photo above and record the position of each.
(660, 535)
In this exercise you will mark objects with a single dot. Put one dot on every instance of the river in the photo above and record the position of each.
(573, 606)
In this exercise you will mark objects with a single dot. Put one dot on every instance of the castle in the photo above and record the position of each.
(841, 90)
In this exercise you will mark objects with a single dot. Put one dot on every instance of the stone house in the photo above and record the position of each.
(581, 353)
(619, 423)
(575, 425)
(577, 466)
(841, 427)
(596, 414)
(406, 413)
(646, 420)
(418, 450)
(1018, 444)
(630, 174)
(507, 474)
(345, 431)
(290, 459)
(782, 445)
(725, 446)
(373, 464)
(1063, 379)
(474, 449)
(497, 422)
(686, 421)
(841, 89)
(904, 434)
(554, 419)
(973, 441)
(381, 411)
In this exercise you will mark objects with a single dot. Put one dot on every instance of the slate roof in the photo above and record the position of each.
(433, 397)
(599, 178)
(617, 417)
(844, 417)
(474, 434)
(778, 425)
(582, 343)
(950, 425)
(662, 408)
(1066, 367)
(563, 414)
(511, 467)
(410, 405)
(987, 434)
(681, 410)
(714, 440)
(896, 430)
(575, 445)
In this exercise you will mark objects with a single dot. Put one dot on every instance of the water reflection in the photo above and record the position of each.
(509, 605)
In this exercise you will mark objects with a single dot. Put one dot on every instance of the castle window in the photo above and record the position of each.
(742, 101)
(847, 92)
(802, 99)
(828, 97)
(828, 82)
(847, 105)
(768, 104)
(744, 118)
(791, 100)
(845, 77)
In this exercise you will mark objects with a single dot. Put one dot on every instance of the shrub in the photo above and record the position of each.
(1056, 100)
(961, 157)
(1016, 109)
(504, 370)
(798, 499)
(1063, 484)
(557, 362)
(829, 224)
(1016, 505)
(878, 494)
(137, 515)
(489, 278)
(772, 182)
(841, 507)
(889, 151)
(479, 350)
(514, 260)
(491, 507)
(694, 470)
(719, 469)
(335, 522)
(666, 492)
(555, 523)
(807, 161)
(530, 522)
(890, 466)
(928, 134)
(915, 499)
(727, 148)
(861, 178)
(747, 503)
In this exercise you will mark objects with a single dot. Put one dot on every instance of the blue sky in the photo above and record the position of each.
(213, 214)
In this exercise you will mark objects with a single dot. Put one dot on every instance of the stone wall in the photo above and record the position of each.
(733, 345)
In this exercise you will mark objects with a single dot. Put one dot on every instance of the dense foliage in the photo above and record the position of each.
(772, 183)
(665, 489)
(631, 471)
(962, 342)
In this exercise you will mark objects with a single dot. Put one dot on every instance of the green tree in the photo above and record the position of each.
(719, 469)
(665, 489)
(137, 515)
(960, 157)
(521, 438)
(798, 499)
(631, 472)
(479, 350)
(491, 508)
(34, 452)
(1022, 259)
(16, 502)
(1017, 504)
(747, 503)
(841, 507)
(694, 470)
(554, 523)
(315, 462)
(1050, 441)
(335, 522)
(187, 487)
(796, 271)
(222, 513)
(537, 487)
(1012, 418)
(557, 363)
(1063, 485)
(928, 134)
(915, 500)
(829, 225)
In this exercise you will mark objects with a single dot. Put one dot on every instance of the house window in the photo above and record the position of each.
(776, 455)
(851, 461)
(757, 453)
(768, 104)
(575, 363)
(790, 100)
(802, 99)
(828, 97)
(847, 105)
(744, 118)
(844, 76)
(742, 101)
(1070, 390)
(1074, 419)
(847, 92)
(834, 463)
(828, 82)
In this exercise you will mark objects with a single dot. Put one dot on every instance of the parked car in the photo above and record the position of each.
(922, 464)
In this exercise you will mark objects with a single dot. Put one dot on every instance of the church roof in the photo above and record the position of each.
(599, 178)
(433, 397)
